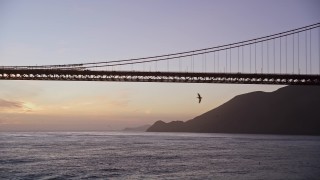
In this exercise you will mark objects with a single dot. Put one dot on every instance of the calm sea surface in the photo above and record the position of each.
(121, 155)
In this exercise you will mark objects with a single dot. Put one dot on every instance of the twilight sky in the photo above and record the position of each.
(38, 32)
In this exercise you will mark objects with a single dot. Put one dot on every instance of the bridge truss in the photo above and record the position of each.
(174, 77)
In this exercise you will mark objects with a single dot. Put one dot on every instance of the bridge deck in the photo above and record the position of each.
(173, 77)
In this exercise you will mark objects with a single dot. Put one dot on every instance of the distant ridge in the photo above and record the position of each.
(288, 110)
(138, 128)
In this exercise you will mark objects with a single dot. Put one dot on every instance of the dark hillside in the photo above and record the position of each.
(289, 110)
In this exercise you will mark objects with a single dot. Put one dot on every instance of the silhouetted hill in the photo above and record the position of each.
(139, 128)
(289, 110)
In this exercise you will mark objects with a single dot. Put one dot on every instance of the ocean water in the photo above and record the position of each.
(123, 155)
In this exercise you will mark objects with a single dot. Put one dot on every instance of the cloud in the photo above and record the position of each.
(5, 104)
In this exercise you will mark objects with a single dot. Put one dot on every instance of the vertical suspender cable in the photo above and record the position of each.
(218, 62)
(306, 41)
(250, 56)
(298, 55)
(280, 54)
(286, 55)
(190, 63)
(255, 57)
(193, 67)
(205, 62)
(214, 61)
(293, 53)
(238, 59)
(242, 59)
(310, 47)
(202, 62)
(268, 57)
(262, 57)
(143, 65)
(230, 63)
(226, 61)
(274, 56)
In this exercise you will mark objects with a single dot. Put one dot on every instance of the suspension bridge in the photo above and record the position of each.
(287, 58)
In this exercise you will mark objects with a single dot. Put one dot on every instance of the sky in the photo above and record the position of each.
(38, 32)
